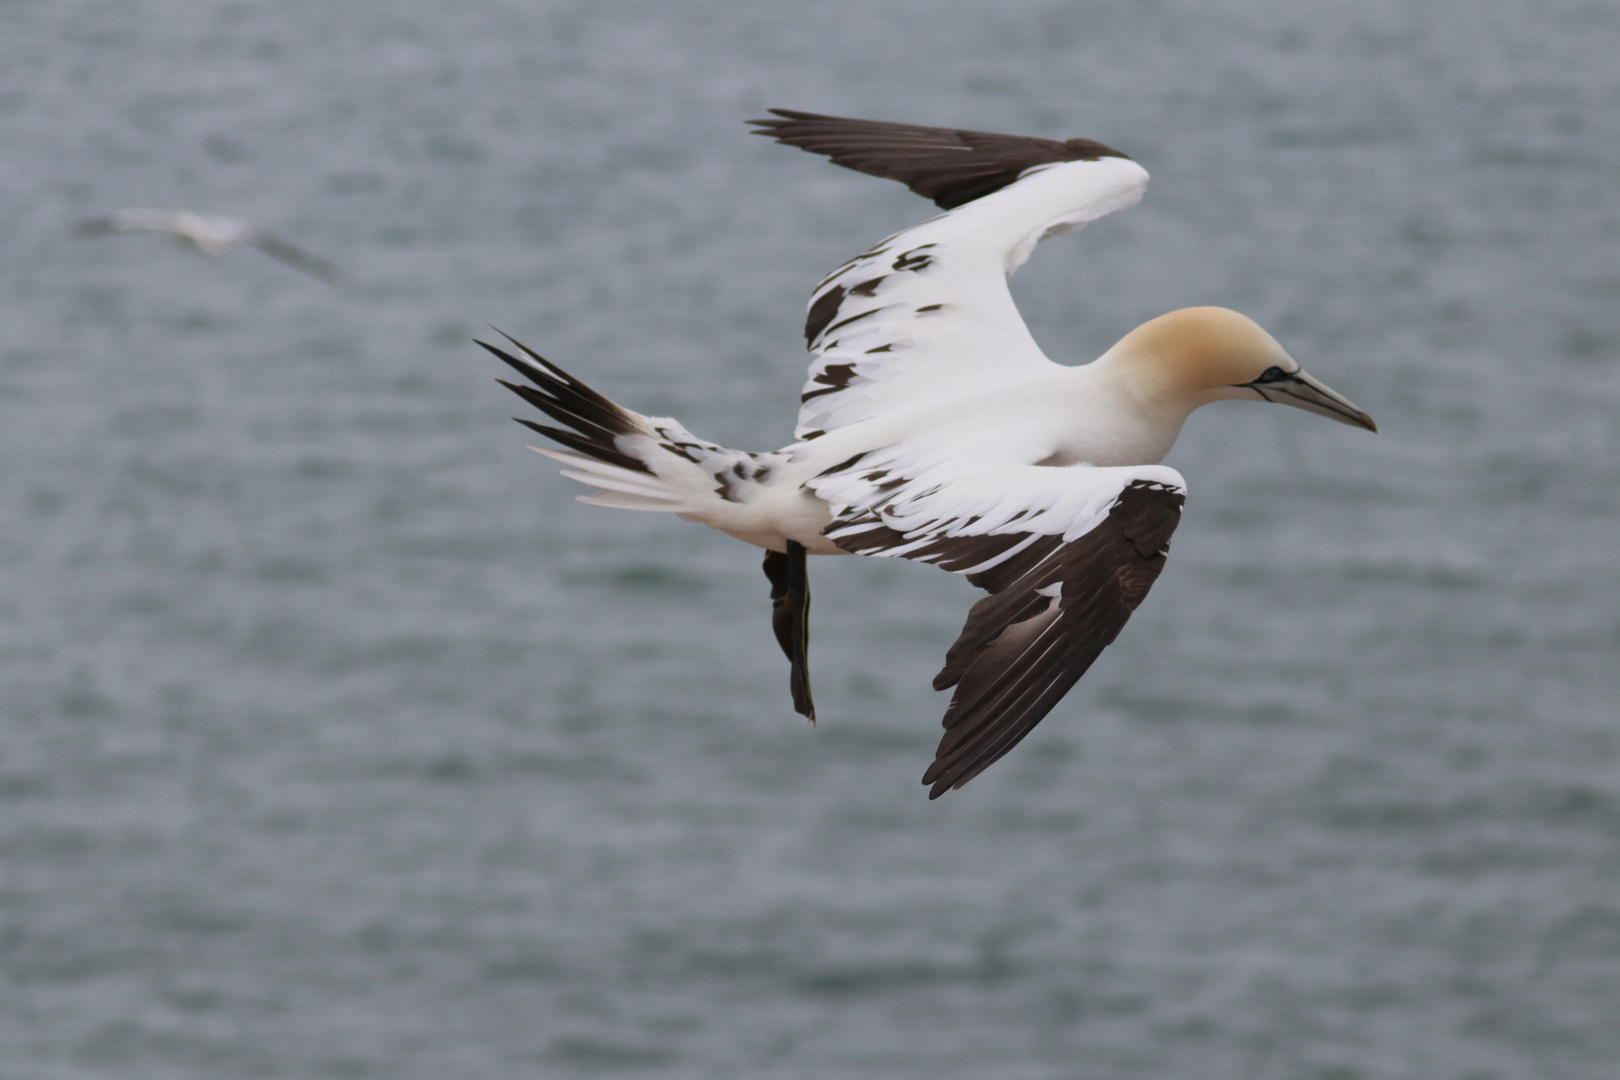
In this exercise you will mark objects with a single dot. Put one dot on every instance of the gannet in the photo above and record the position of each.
(933, 428)
(208, 236)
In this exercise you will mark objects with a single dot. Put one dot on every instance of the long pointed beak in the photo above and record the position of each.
(1303, 392)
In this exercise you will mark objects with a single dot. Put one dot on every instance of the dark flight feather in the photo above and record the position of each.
(951, 166)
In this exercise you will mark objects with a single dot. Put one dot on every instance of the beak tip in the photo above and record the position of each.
(1303, 392)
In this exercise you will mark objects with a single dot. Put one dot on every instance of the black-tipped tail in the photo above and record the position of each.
(596, 421)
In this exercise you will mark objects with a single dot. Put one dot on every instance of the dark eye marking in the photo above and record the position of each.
(1272, 374)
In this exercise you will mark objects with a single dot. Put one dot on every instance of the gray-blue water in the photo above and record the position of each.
(339, 742)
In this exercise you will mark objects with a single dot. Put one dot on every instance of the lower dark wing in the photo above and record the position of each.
(1028, 642)
(294, 256)
(1067, 554)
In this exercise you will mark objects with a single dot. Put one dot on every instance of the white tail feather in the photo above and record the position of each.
(613, 483)
(588, 471)
(629, 502)
(618, 487)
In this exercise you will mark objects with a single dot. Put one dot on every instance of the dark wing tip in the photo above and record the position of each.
(780, 117)
(1021, 650)
(951, 166)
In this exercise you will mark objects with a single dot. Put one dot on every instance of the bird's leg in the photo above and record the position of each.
(790, 618)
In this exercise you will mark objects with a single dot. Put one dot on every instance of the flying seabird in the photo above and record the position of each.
(208, 236)
(933, 428)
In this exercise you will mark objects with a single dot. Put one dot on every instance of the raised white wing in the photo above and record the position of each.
(927, 313)
(1066, 553)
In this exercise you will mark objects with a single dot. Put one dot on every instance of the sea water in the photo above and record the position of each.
(337, 741)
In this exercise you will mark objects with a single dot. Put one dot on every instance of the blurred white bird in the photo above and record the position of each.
(208, 236)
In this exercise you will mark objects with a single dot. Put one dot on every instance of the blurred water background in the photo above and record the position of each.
(339, 742)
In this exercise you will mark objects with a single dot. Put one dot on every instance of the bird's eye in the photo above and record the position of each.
(1272, 374)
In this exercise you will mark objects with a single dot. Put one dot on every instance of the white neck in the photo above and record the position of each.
(1113, 418)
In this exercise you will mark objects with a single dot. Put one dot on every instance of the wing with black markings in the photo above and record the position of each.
(927, 313)
(1066, 554)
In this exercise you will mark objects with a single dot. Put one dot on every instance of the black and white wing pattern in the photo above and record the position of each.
(927, 313)
(1066, 554)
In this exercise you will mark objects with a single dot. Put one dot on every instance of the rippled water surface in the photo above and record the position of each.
(339, 742)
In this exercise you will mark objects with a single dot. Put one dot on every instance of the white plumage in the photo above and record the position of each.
(933, 427)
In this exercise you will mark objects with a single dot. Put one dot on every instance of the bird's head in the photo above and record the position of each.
(1203, 354)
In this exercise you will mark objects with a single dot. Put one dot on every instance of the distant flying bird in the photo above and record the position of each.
(208, 235)
(933, 428)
